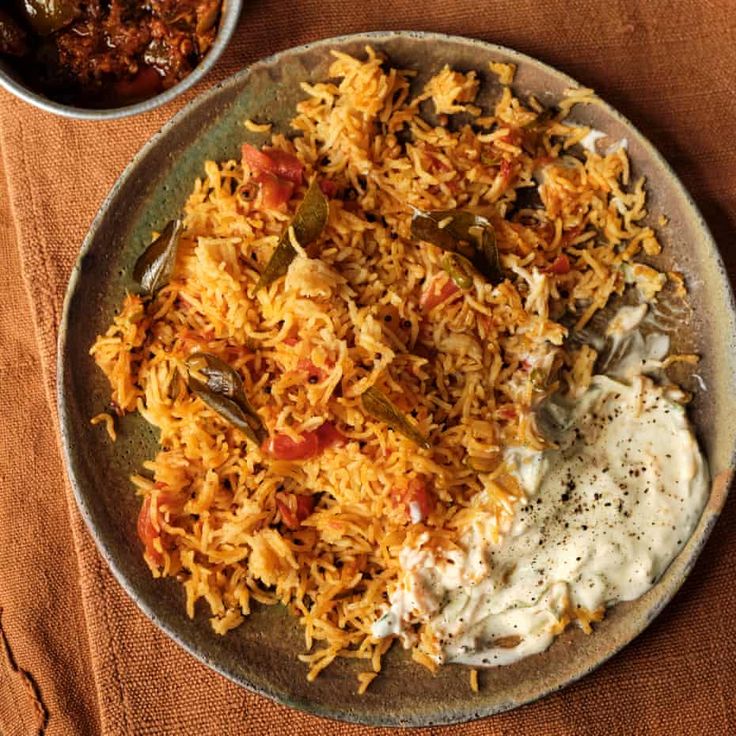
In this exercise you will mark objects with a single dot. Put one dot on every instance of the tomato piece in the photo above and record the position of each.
(149, 527)
(311, 444)
(434, 296)
(420, 500)
(417, 499)
(273, 161)
(285, 165)
(293, 337)
(257, 161)
(287, 515)
(561, 265)
(304, 507)
(282, 447)
(275, 192)
(328, 187)
(312, 371)
(330, 436)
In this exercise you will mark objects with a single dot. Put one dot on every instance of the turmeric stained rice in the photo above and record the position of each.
(315, 517)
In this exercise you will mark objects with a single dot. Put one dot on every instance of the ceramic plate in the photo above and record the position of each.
(262, 653)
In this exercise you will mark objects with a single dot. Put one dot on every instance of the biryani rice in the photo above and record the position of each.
(463, 370)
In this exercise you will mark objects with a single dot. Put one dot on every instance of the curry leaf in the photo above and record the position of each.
(458, 231)
(309, 221)
(156, 265)
(222, 390)
(381, 408)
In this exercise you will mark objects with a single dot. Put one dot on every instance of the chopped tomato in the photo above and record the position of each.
(282, 447)
(328, 187)
(149, 526)
(561, 265)
(273, 161)
(257, 161)
(311, 444)
(285, 165)
(276, 171)
(417, 499)
(421, 500)
(330, 436)
(304, 508)
(311, 369)
(275, 192)
(287, 515)
(434, 296)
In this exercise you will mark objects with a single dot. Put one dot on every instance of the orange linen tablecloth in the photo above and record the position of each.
(76, 656)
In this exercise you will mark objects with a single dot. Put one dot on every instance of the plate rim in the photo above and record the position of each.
(703, 529)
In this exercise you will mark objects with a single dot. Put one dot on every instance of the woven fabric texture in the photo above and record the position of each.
(76, 656)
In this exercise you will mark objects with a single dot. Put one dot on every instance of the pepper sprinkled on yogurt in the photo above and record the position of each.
(604, 514)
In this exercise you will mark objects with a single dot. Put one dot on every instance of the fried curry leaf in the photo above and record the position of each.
(222, 390)
(458, 231)
(154, 267)
(380, 407)
(309, 221)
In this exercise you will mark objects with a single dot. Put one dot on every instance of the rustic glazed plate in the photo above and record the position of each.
(261, 654)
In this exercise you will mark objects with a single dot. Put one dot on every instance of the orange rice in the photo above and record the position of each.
(466, 371)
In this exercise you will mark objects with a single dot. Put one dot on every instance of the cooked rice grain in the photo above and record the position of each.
(355, 317)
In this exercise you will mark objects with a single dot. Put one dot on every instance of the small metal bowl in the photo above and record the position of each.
(12, 81)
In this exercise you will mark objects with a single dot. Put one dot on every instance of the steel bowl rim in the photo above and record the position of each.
(226, 29)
